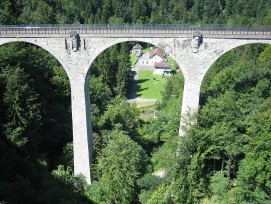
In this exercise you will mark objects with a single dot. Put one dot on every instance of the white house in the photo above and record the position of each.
(136, 50)
(155, 55)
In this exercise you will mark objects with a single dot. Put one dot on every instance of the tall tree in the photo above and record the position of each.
(22, 109)
(120, 164)
(124, 76)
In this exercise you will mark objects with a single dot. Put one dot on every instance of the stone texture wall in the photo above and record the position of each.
(76, 64)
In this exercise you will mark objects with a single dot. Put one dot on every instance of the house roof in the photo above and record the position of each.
(157, 51)
(137, 46)
(162, 64)
(144, 57)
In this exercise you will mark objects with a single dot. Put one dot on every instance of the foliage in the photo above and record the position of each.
(223, 137)
(148, 184)
(161, 195)
(121, 162)
(34, 100)
(22, 108)
(137, 11)
(219, 184)
(121, 115)
(113, 68)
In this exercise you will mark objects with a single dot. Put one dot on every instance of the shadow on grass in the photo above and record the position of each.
(136, 87)
(133, 73)
(139, 87)
(140, 81)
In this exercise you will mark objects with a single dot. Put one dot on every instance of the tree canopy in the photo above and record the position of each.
(229, 12)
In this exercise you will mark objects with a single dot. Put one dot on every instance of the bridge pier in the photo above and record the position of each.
(82, 130)
(190, 104)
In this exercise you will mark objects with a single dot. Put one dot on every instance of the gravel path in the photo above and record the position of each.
(137, 100)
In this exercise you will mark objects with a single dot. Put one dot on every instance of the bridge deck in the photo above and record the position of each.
(144, 31)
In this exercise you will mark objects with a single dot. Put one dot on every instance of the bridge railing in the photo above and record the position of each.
(136, 29)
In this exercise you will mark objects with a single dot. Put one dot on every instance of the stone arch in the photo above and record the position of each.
(41, 44)
(196, 65)
(4, 42)
(226, 45)
(239, 44)
(104, 43)
(171, 46)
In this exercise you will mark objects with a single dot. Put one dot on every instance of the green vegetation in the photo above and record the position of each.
(150, 85)
(223, 158)
(133, 59)
(174, 65)
(231, 12)
(147, 109)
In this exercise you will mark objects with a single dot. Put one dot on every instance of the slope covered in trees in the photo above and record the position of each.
(223, 158)
(135, 11)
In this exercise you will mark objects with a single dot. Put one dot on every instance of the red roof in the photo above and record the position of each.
(157, 51)
(162, 64)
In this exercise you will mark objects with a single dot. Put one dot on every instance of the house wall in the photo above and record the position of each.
(161, 70)
(158, 71)
(136, 52)
(151, 61)
(155, 58)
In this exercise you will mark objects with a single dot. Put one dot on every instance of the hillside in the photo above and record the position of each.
(237, 12)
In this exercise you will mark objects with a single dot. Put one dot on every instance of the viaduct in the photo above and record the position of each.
(194, 48)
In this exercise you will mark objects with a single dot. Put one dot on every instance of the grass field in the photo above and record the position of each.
(133, 59)
(149, 85)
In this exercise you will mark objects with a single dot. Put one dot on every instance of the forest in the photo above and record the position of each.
(223, 158)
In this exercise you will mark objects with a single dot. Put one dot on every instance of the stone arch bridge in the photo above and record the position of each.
(194, 48)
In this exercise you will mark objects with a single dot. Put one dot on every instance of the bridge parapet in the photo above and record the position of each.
(214, 31)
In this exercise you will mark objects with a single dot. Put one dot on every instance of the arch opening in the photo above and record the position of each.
(113, 117)
(35, 104)
(108, 69)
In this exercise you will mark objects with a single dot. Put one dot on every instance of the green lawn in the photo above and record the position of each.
(149, 85)
(133, 59)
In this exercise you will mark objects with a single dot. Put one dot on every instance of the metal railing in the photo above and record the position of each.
(124, 30)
